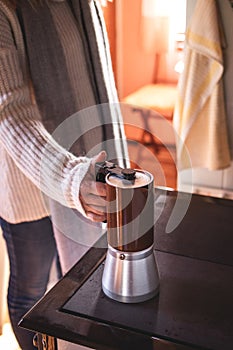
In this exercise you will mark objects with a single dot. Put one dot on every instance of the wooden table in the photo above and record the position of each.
(194, 309)
(154, 103)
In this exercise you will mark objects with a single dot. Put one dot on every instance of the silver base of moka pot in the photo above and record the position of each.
(130, 277)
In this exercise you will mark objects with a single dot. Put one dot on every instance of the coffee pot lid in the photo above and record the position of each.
(130, 178)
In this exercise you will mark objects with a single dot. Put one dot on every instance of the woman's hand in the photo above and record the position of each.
(93, 194)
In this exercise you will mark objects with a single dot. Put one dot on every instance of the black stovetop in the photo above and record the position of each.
(194, 309)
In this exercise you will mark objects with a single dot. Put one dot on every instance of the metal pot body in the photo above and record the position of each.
(130, 212)
(130, 273)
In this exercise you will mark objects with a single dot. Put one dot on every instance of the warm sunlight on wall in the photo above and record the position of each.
(164, 19)
(145, 30)
(176, 13)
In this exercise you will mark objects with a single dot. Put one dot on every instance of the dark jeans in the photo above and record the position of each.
(31, 249)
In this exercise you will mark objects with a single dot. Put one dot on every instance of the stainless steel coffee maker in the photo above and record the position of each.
(130, 272)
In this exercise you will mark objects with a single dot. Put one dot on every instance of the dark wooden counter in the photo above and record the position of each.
(194, 309)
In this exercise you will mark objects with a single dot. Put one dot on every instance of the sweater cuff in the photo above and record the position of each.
(71, 188)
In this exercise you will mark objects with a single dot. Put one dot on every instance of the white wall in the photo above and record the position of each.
(216, 182)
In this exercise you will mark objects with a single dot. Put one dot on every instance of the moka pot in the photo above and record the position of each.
(130, 271)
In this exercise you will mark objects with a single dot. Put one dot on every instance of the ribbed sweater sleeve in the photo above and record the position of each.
(49, 166)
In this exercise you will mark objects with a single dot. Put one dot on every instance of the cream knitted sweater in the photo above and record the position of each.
(24, 142)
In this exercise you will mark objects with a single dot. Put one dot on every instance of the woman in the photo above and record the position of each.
(54, 63)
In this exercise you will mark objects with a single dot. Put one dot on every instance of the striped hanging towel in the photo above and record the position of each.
(199, 117)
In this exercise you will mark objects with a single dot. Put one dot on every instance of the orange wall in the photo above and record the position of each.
(109, 12)
(135, 67)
